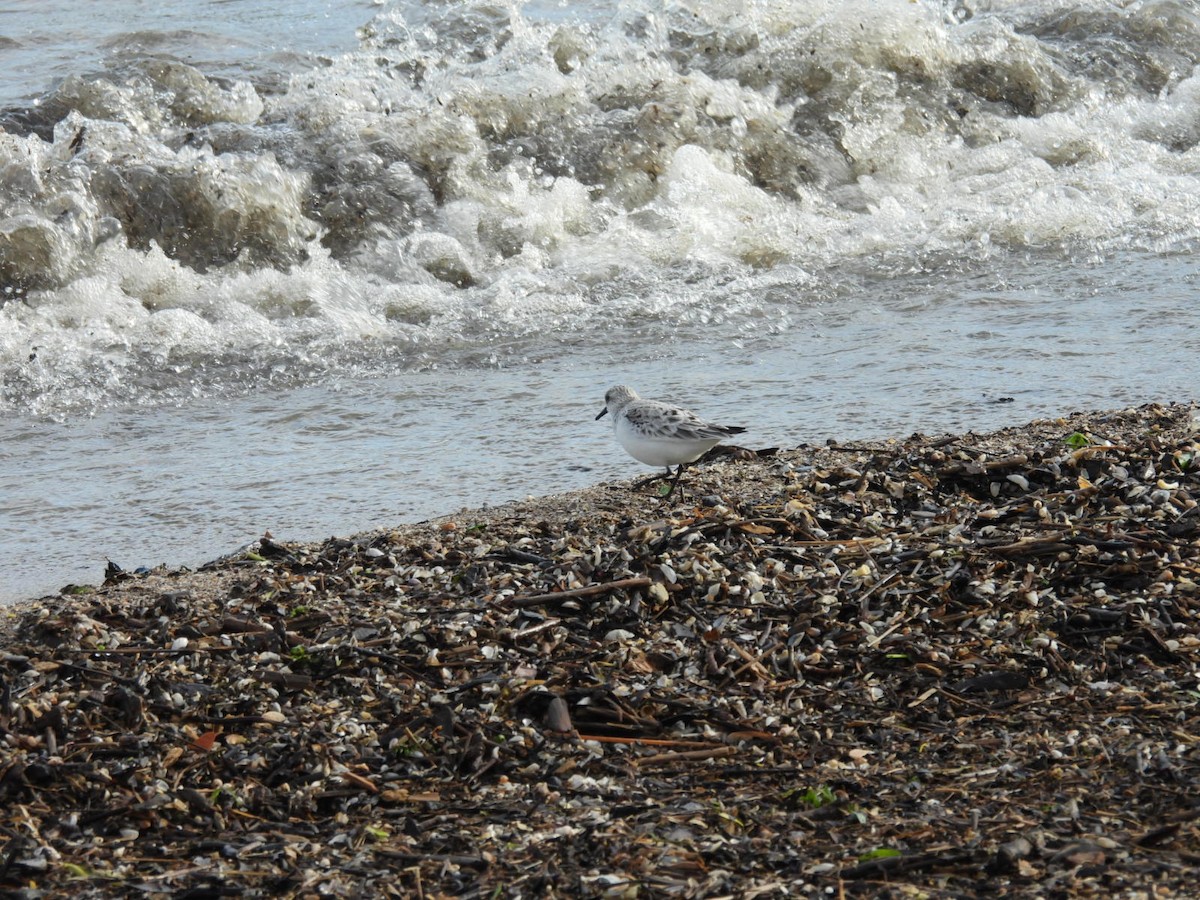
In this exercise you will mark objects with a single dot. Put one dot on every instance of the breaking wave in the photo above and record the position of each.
(478, 177)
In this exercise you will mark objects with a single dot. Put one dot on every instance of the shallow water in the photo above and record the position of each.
(316, 268)
(180, 485)
(44, 41)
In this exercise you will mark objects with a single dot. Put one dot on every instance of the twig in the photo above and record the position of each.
(685, 756)
(589, 591)
(535, 629)
(753, 662)
(358, 781)
(894, 865)
(100, 673)
(649, 742)
(149, 651)
(1035, 546)
(836, 542)
(475, 862)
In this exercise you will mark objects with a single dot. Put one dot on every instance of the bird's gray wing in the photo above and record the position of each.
(655, 419)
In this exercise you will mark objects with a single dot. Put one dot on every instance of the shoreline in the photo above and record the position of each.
(592, 499)
(960, 661)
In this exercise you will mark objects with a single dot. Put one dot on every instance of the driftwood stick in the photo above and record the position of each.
(661, 759)
(474, 862)
(647, 742)
(589, 591)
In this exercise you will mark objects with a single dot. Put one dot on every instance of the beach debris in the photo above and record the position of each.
(960, 665)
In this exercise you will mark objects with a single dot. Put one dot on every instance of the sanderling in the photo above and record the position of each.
(659, 434)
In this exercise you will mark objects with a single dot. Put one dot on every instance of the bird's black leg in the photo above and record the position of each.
(673, 476)
(652, 479)
(674, 481)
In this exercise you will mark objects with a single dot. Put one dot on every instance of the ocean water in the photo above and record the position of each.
(316, 268)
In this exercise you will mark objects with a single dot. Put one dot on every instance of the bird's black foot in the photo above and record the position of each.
(663, 477)
(651, 479)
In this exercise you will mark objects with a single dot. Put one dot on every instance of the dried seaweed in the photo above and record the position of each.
(951, 666)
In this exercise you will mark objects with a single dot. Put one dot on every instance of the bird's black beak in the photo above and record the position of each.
(603, 413)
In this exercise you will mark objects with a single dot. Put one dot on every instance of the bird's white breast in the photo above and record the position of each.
(660, 451)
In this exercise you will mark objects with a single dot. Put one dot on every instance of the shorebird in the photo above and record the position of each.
(660, 434)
